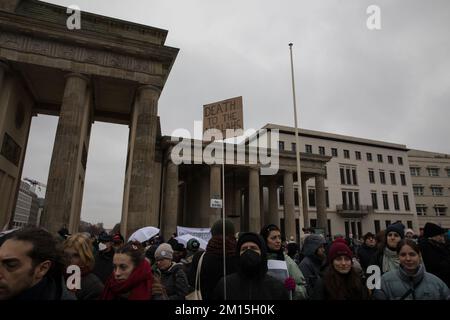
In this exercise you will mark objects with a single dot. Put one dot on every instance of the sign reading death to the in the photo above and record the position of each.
(223, 115)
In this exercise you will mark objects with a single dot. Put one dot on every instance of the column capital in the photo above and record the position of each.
(78, 75)
(148, 87)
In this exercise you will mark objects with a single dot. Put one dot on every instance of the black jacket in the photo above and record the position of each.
(364, 255)
(103, 265)
(175, 281)
(436, 258)
(91, 287)
(47, 289)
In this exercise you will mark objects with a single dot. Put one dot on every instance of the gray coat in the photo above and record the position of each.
(311, 264)
(397, 284)
(175, 281)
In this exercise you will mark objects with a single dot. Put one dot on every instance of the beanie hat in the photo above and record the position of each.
(431, 230)
(217, 228)
(251, 237)
(339, 248)
(193, 244)
(410, 231)
(397, 227)
(164, 251)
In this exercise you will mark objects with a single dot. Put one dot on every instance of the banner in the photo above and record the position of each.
(203, 233)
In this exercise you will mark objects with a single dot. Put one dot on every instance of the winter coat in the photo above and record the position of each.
(294, 272)
(311, 267)
(91, 287)
(436, 257)
(364, 255)
(103, 265)
(240, 287)
(48, 288)
(321, 292)
(377, 259)
(398, 285)
(175, 282)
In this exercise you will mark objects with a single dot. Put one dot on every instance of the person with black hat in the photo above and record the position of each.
(192, 247)
(251, 281)
(386, 257)
(435, 252)
(367, 250)
(211, 268)
(103, 267)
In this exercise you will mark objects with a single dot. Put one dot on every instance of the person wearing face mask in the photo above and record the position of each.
(275, 251)
(104, 257)
(340, 280)
(386, 257)
(410, 281)
(251, 282)
(314, 260)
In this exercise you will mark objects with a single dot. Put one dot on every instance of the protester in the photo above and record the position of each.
(295, 282)
(192, 247)
(367, 250)
(435, 252)
(314, 260)
(409, 234)
(103, 267)
(172, 275)
(78, 251)
(118, 241)
(251, 281)
(410, 281)
(132, 278)
(32, 267)
(212, 265)
(386, 257)
(340, 280)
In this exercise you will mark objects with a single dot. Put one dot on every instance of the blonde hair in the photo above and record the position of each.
(83, 246)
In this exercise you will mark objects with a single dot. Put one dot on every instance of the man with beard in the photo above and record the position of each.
(251, 282)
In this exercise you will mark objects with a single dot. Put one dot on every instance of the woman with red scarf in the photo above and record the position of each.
(132, 278)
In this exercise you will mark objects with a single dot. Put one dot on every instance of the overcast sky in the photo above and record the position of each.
(390, 84)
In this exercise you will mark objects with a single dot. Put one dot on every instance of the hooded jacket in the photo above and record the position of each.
(255, 286)
(398, 285)
(311, 265)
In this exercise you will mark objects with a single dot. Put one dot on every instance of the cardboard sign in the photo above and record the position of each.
(223, 115)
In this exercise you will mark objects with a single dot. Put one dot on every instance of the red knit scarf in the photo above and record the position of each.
(138, 285)
(215, 245)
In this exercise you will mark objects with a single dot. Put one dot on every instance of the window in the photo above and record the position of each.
(350, 200)
(406, 202)
(281, 196)
(421, 210)
(312, 197)
(433, 172)
(358, 156)
(385, 201)
(281, 145)
(313, 223)
(390, 159)
(342, 171)
(393, 181)
(346, 154)
(327, 199)
(334, 152)
(380, 157)
(400, 161)
(293, 146)
(349, 179)
(296, 202)
(440, 210)
(396, 203)
(448, 172)
(415, 172)
(371, 176)
(308, 148)
(369, 156)
(388, 222)
(377, 226)
(436, 191)
(348, 175)
(418, 190)
(403, 179)
(409, 224)
(374, 200)
(355, 181)
(322, 150)
(382, 177)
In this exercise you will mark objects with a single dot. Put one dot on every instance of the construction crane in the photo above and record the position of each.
(35, 183)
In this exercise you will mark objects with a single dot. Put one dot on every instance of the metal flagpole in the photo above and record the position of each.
(223, 223)
(297, 142)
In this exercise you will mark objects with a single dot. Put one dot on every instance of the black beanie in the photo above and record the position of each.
(431, 230)
(397, 227)
(251, 237)
(217, 228)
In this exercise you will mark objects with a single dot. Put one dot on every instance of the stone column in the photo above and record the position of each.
(289, 209)
(170, 208)
(67, 168)
(272, 216)
(215, 188)
(237, 202)
(254, 203)
(3, 70)
(305, 204)
(139, 206)
(320, 203)
(261, 205)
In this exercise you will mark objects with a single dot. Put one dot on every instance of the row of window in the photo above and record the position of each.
(386, 203)
(387, 223)
(438, 210)
(436, 191)
(383, 177)
(432, 172)
(311, 197)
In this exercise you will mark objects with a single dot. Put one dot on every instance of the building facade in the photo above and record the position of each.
(27, 207)
(368, 185)
(430, 174)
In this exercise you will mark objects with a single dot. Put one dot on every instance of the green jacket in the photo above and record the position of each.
(294, 272)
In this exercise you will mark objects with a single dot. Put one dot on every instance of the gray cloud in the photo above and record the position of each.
(391, 85)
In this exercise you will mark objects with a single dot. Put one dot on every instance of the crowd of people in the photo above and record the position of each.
(33, 266)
